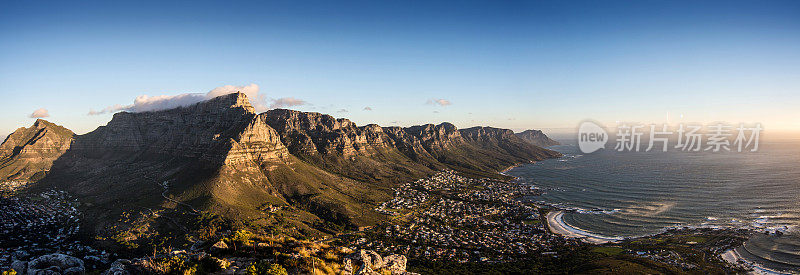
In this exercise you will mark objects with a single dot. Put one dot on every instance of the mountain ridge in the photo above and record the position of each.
(222, 157)
(537, 137)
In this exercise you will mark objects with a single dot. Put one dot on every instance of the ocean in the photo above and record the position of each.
(627, 194)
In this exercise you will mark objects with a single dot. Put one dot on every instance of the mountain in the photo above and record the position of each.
(536, 137)
(27, 153)
(220, 157)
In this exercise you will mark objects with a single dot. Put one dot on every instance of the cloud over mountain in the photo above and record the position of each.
(146, 103)
(284, 102)
(39, 113)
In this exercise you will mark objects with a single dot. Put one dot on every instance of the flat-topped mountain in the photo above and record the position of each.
(220, 156)
(536, 137)
(28, 153)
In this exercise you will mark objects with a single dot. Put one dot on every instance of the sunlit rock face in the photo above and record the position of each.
(28, 153)
(221, 130)
(220, 156)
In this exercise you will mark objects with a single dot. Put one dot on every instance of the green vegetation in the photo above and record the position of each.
(173, 265)
(608, 250)
(529, 222)
(265, 268)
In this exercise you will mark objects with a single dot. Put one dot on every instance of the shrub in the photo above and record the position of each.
(213, 264)
(242, 237)
(173, 265)
(265, 268)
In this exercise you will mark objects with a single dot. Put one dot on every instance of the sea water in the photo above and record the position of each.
(629, 194)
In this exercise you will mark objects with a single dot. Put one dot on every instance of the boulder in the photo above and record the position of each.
(366, 270)
(56, 264)
(347, 266)
(19, 266)
(370, 258)
(396, 264)
(220, 245)
(118, 268)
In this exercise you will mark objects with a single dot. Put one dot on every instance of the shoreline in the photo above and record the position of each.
(733, 257)
(509, 168)
(557, 225)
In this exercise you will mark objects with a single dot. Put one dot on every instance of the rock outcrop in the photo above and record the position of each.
(220, 156)
(28, 153)
(395, 263)
(536, 137)
(308, 133)
(118, 267)
(370, 262)
(56, 264)
(219, 131)
(436, 138)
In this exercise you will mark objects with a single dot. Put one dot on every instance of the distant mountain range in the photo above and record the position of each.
(222, 157)
(536, 137)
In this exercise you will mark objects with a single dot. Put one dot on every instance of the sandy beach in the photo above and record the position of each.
(557, 226)
(509, 168)
(733, 257)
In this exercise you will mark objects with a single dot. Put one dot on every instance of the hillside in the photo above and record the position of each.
(310, 172)
(537, 137)
(28, 153)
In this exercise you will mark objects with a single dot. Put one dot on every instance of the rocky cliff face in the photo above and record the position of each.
(436, 138)
(536, 137)
(220, 156)
(206, 131)
(28, 153)
(487, 134)
(307, 133)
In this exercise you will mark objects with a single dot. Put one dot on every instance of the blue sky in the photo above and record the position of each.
(518, 65)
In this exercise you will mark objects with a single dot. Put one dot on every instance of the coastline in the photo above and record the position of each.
(557, 225)
(509, 168)
(733, 257)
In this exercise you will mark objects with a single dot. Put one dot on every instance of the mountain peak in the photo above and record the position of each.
(232, 100)
(41, 123)
(537, 137)
(27, 153)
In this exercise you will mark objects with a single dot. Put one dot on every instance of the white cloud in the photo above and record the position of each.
(284, 102)
(145, 103)
(40, 113)
(440, 102)
(342, 111)
(367, 108)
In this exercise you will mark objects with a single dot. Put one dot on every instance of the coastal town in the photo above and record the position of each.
(449, 217)
(445, 218)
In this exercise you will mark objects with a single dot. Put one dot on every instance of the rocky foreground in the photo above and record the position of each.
(362, 262)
